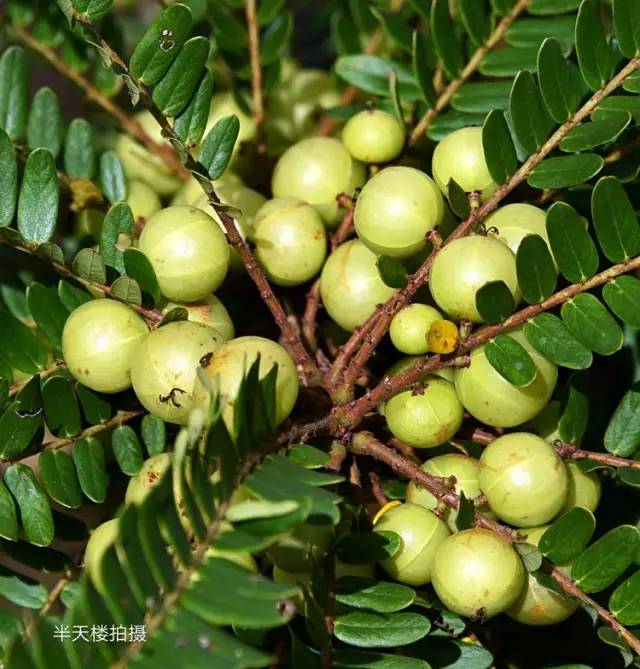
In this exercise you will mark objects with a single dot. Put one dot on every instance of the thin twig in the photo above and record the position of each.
(257, 92)
(52, 598)
(309, 318)
(121, 418)
(344, 230)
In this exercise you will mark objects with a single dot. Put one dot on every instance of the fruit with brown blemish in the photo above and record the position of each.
(147, 478)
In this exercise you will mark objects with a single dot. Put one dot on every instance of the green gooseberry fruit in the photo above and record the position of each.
(101, 538)
(192, 191)
(410, 327)
(514, 222)
(147, 478)
(523, 478)
(296, 552)
(165, 364)
(209, 311)
(477, 573)
(427, 417)
(140, 163)
(373, 136)
(584, 490)
(317, 170)
(290, 241)
(463, 266)
(395, 211)
(98, 341)
(351, 286)
(460, 156)
(467, 473)
(231, 361)
(142, 199)
(188, 252)
(492, 400)
(537, 605)
(422, 534)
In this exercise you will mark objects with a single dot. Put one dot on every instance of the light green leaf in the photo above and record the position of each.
(38, 202)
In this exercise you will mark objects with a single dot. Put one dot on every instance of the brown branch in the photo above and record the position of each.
(474, 62)
(377, 490)
(257, 92)
(345, 229)
(52, 598)
(128, 124)
(307, 367)
(309, 318)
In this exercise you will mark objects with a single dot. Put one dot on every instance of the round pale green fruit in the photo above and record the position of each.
(476, 573)
(317, 170)
(492, 400)
(101, 538)
(209, 311)
(351, 286)
(296, 552)
(422, 534)
(464, 266)
(395, 211)
(425, 417)
(460, 156)
(373, 136)
(410, 327)
(290, 241)
(192, 191)
(165, 364)
(142, 199)
(536, 604)
(523, 478)
(584, 488)
(188, 252)
(514, 222)
(230, 362)
(147, 478)
(140, 163)
(98, 341)
(466, 471)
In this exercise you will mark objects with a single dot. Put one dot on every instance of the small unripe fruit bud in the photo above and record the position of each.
(188, 252)
(410, 327)
(373, 136)
(395, 211)
(98, 341)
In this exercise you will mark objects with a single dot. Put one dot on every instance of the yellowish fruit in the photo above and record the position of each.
(142, 199)
(514, 222)
(209, 311)
(410, 327)
(584, 490)
(373, 136)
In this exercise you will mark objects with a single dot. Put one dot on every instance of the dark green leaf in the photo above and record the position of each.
(127, 449)
(48, 312)
(18, 427)
(618, 104)
(126, 290)
(392, 271)
(229, 31)
(629, 476)
(44, 128)
(531, 557)
(25, 595)
(93, 9)
(494, 302)
(379, 596)
(528, 32)
(119, 220)
(275, 38)
(622, 437)
(59, 477)
(35, 512)
(95, 408)
(268, 10)
(545, 7)
(605, 560)
(218, 145)
(565, 172)
(458, 201)
(376, 630)
(154, 434)
(360, 659)
(531, 121)
(499, 151)
(308, 456)
(8, 515)
(89, 265)
(475, 19)
(446, 123)
(421, 69)
(8, 180)
(446, 43)
(511, 360)
(79, 153)
(20, 346)
(61, 410)
(88, 457)
(112, 177)
(626, 22)
(536, 271)
(615, 220)
(591, 324)
(482, 96)
(568, 536)
(595, 57)
(14, 92)
(509, 61)
(191, 123)
(368, 547)
(572, 246)
(160, 45)
(71, 296)
(560, 81)
(38, 202)
(575, 409)
(622, 296)
(625, 601)
(344, 34)
(550, 337)
(589, 135)
(139, 268)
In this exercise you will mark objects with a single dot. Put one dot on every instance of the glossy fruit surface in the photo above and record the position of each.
(98, 341)
(230, 362)
(373, 136)
(149, 476)
(317, 170)
(351, 286)
(514, 222)
(295, 553)
(100, 539)
(290, 240)
(410, 327)
(490, 398)
(209, 311)
(395, 211)
(536, 604)
(165, 365)
(422, 534)
(477, 573)
(584, 488)
(425, 418)
(524, 480)
(142, 199)
(466, 471)
(463, 266)
(460, 156)
(188, 252)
